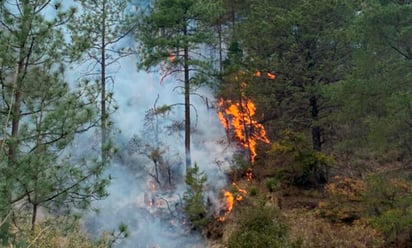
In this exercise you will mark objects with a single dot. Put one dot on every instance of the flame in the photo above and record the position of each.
(239, 117)
(240, 190)
(171, 57)
(231, 198)
(270, 76)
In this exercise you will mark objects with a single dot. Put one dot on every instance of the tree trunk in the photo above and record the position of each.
(16, 105)
(33, 217)
(219, 31)
(316, 133)
(103, 120)
(187, 103)
(320, 170)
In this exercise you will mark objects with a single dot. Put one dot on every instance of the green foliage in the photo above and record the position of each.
(272, 184)
(375, 97)
(259, 227)
(383, 201)
(161, 32)
(194, 199)
(306, 44)
(302, 165)
(388, 205)
(40, 118)
(253, 191)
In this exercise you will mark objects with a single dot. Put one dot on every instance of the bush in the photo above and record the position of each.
(253, 191)
(272, 184)
(194, 202)
(302, 166)
(261, 227)
(388, 204)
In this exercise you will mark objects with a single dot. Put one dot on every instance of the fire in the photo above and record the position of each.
(231, 198)
(249, 175)
(239, 117)
(171, 57)
(269, 75)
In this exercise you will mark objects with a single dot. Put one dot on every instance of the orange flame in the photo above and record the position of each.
(270, 76)
(239, 116)
(230, 199)
(171, 57)
(240, 190)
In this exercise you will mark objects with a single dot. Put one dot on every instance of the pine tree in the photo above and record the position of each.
(306, 44)
(98, 30)
(40, 117)
(171, 34)
(376, 97)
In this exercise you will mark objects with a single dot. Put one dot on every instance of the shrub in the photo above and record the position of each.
(388, 204)
(253, 191)
(194, 202)
(259, 227)
(303, 165)
(272, 184)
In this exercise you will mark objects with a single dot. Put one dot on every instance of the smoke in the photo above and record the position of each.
(154, 215)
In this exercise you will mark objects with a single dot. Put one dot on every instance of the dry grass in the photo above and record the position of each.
(305, 225)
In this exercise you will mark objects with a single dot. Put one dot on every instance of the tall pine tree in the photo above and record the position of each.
(40, 117)
(98, 30)
(172, 34)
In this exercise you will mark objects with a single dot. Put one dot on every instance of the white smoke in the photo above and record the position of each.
(160, 224)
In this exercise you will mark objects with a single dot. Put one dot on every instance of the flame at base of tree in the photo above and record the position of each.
(239, 117)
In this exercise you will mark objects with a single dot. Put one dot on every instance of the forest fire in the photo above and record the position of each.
(239, 117)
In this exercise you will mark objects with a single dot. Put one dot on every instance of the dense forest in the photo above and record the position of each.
(215, 123)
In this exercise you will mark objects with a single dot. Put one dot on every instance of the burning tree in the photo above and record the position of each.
(238, 117)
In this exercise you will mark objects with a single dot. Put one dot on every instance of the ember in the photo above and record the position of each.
(249, 175)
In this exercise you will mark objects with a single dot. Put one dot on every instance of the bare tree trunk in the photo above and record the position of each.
(219, 31)
(33, 217)
(104, 154)
(187, 103)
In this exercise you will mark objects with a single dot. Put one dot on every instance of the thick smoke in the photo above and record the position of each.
(154, 215)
